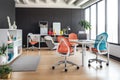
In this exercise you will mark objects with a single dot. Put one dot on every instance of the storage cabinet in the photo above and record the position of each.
(13, 40)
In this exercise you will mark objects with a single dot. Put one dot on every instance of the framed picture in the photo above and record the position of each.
(56, 28)
(43, 27)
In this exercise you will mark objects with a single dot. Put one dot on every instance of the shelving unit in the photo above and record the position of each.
(13, 39)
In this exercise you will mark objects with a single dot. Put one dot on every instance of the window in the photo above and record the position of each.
(93, 21)
(101, 17)
(87, 18)
(112, 20)
(87, 14)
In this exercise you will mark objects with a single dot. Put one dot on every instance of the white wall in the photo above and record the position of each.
(114, 50)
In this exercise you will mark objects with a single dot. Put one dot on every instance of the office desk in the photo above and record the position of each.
(83, 43)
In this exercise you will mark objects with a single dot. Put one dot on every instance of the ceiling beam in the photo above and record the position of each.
(17, 1)
(57, 1)
(71, 2)
(88, 3)
(80, 2)
(25, 1)
(37, 1)
(47, 1)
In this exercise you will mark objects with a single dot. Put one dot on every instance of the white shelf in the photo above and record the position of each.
(16, 41)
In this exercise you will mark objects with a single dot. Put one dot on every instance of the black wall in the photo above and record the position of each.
(27, 19)
(7, 8)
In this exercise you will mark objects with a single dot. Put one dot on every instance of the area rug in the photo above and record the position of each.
(25, 63)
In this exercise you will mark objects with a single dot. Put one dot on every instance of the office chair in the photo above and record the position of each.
(50, 43)
(73, 36)
(32, 40)
(100, 47)
(65, 50)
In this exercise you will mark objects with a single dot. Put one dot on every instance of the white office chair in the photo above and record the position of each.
(100, 47)
(65, 50)
(50, 43)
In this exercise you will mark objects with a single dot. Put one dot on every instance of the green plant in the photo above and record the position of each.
(3, 49)
(85, 24)
(4, 70)
(64, 30)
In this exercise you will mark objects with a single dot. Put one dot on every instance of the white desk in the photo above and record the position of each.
(84, 43)
(33, 35)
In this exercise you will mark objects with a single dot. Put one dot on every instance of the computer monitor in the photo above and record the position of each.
(82, 36)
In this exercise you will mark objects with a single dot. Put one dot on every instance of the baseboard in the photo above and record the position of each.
(115, 58)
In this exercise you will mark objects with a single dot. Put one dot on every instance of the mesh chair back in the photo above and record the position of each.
(101, 40)
(73, 36)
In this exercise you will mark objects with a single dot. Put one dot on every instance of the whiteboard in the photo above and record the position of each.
(57, 27)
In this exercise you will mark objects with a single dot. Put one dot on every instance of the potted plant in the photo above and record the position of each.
(64, 30)
(85, 24)
(5, 72)
(3, 56)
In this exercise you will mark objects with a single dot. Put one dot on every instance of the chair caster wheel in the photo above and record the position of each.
(107, 64)
(89, 65)
(53, 67)
(100, 66)
(78, 67)
(66, 70)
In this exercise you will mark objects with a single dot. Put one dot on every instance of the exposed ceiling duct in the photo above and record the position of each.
(52, 3)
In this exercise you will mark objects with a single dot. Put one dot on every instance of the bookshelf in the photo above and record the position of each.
(13, 39)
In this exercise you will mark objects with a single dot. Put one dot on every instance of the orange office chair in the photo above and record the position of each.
(73, 36)
(65, 50)
(59, 38)
(32, 40)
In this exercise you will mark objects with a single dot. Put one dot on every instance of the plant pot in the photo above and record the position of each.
(6, 76)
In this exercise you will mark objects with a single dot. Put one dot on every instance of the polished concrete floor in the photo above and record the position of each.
(48, 58)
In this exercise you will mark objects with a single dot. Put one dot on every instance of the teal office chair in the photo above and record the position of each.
(100, 48)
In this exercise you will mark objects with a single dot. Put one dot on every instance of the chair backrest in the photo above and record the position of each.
(49, 38)
(59, 38)
(64, 46)
(49, 41)
(33, 38)
(73, 36)
(101, 41)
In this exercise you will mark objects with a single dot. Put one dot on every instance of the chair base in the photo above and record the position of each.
(32, 48)
(97, 60)
(65, 62)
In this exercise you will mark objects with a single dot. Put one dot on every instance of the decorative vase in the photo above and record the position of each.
(6, 76)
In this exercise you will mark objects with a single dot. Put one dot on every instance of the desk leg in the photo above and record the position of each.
(39, 45)
(82, 54)
(27, 43)
(39, 41)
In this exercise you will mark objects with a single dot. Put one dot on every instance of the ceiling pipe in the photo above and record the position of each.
(57, 1)
(25, 1)
(80, 2)
(37, 1)
(17, 1)
(71, 2)
(90, 2)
